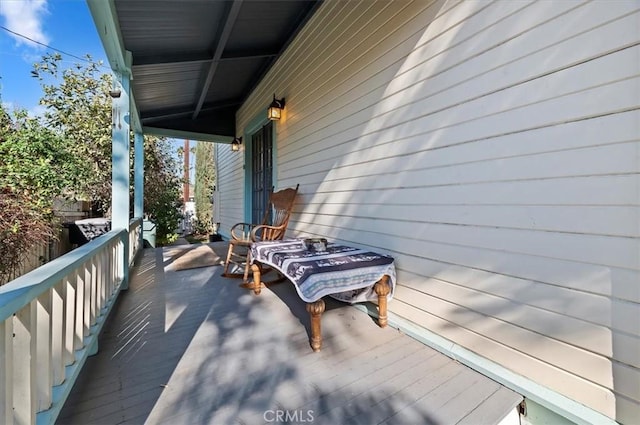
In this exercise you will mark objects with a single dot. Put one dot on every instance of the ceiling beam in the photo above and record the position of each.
(172, 58)
(160, 114)
(164, 114)
(247, 54)
(191, 135)
(222, 42)
(198, 57)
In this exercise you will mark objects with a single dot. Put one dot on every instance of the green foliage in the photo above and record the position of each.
(166, 239)
(162, 200)
(36, 164)
(204, 185)
(66, 154)
(21, 229)
(79, 106)
(35, 167)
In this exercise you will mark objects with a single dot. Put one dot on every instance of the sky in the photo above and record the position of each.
(65, 25)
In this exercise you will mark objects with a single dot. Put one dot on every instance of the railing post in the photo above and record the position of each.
(138, 179)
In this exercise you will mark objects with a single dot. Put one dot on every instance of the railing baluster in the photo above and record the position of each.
(110, 268)
(69, 297)
(115, 260)
(6, 371)
(100, 290)
(118, 256)
(57, 333)
(42, 351)
(107, 272)
(86, 317)
(115, 266)
(105, 276)
(24, 377)
(78, 331)
(94, 290)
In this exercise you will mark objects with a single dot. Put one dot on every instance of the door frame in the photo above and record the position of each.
(253, 126)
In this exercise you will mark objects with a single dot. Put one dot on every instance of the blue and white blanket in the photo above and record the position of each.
(345, 273)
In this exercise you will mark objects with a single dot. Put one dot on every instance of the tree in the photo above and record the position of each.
(37, 163)
(162, 200)
(36, 166)
(204, 185)
(79, 106)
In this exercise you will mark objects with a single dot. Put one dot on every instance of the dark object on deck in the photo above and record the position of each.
(83, 231)
(148, 234)
(215, 238)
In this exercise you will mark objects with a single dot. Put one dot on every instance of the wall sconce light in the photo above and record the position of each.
(275, 109)
(235, 144)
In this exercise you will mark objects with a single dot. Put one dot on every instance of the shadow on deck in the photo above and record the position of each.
(191, 347)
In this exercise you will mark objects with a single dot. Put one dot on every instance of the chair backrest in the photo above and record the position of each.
(280, 206)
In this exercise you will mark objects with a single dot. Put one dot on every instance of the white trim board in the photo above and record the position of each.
(552, 400)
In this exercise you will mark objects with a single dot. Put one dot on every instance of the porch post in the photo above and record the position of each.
(138, 177)
(120, 166)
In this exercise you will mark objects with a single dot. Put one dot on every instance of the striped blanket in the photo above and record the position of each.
(342, 272)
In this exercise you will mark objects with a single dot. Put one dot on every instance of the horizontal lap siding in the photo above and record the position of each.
(230, 180)
(493, 149)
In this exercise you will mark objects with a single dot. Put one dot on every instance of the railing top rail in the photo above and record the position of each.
(19, 292)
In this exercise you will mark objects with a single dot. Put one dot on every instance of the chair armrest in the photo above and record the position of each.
(265, 232)
(242, 231)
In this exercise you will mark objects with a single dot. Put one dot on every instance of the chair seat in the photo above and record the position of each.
(241, 242)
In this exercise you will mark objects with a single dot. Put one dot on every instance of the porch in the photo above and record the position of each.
(190, 347)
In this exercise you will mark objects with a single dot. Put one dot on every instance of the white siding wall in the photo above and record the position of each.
(230, 186)
(493, 149)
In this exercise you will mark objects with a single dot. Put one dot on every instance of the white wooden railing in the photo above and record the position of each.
(50, 319)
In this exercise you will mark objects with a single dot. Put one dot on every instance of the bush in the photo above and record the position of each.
(162, 200)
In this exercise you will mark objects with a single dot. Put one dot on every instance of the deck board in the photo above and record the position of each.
(187, 347)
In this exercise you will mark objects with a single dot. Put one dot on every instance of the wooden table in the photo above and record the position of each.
(345, 273)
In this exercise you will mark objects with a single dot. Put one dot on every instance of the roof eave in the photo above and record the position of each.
(104, 17)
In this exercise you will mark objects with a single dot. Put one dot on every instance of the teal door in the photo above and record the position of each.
(261, 171)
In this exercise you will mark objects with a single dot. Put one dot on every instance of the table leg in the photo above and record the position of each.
(257, 286)
(382, 290)
(247, 265)
(315, 310)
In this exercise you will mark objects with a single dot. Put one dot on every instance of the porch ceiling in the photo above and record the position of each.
(193, 62)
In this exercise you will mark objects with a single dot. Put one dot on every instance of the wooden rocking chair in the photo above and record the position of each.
(244, 234)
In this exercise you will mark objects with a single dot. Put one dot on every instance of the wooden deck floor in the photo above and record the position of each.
(191, 347)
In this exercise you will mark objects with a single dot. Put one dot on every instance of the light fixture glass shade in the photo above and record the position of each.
(274, 113)
(275, 109)
(235, 144)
